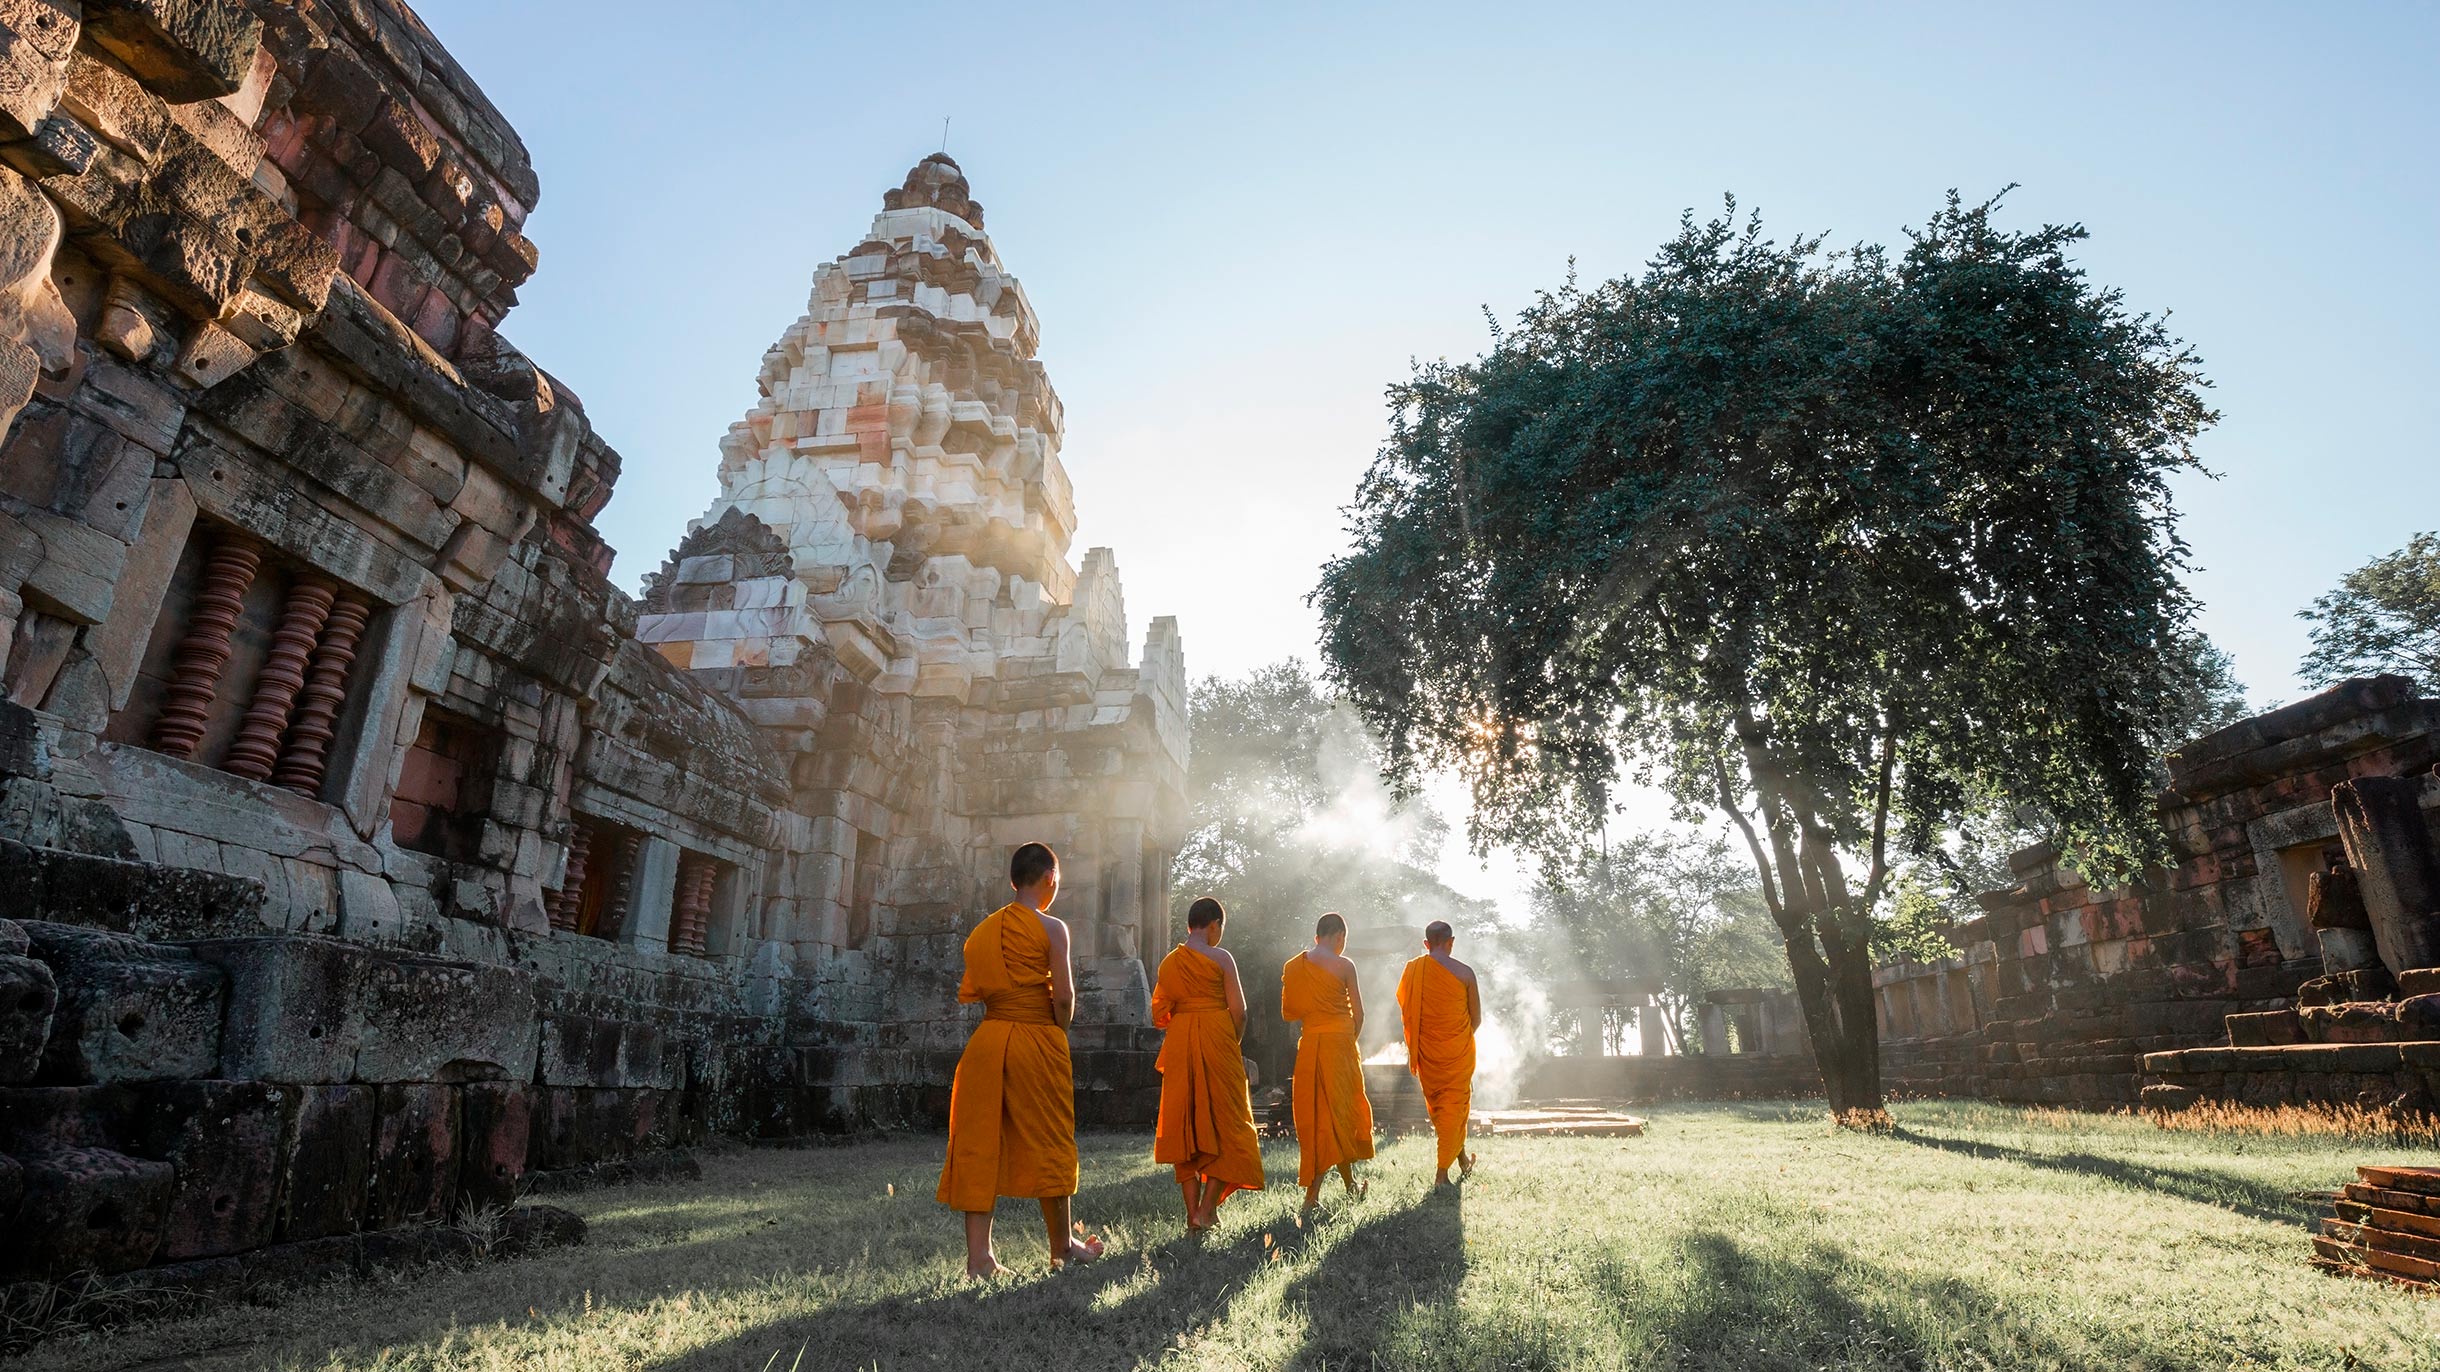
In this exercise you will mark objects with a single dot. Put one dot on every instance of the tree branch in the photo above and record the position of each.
(1762, 864)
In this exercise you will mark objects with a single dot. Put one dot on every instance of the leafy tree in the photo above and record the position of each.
(1847, 545)
(1685, 914)
(1287, 819)
(2384, 617)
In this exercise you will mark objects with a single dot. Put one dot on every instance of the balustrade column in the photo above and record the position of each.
(257, 744)
(306, 752)
(203, 653)
(622, 898)
(691, 920)
(567, 903)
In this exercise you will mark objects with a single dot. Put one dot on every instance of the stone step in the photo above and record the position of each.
(2348, 1260)
(2385, 1240)
(2299, 1057)
(2420, 1181)
(2264, 1029)
(141, 898)
(2395, 1221)
(2386, 1199)
(2421, 981)
(2407, 1020)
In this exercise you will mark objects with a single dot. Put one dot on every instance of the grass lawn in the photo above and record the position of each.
(1732, 1236)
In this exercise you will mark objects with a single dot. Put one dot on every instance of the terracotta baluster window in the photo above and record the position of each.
(622, 890)
(690, 919)
(186, 704)
(257, 745)
(567, 903)
(306, 752)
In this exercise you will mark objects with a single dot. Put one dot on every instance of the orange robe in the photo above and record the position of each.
(1012, 1108)
(1207, 1113)
(1334, 1120)
(1438, 1011)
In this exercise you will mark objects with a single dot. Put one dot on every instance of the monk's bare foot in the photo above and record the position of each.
(1442, 1179)
(1465, 1166)
(1361, 1189)
(974, 1273)
(1082, 1247)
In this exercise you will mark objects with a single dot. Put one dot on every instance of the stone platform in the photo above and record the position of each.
(1569, 1119)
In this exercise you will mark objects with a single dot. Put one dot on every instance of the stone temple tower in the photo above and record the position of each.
(884, 584)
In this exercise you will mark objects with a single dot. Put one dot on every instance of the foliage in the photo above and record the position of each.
(2384, 617)
(1849, 545)
(1654, 906)
(1287, 819)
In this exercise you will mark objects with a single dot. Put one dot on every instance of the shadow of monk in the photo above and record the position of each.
(1391, 1264)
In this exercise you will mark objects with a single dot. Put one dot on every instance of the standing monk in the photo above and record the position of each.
(1442, 1007)
(1334, 1122)
(1012, 1109)
(1207, 1114)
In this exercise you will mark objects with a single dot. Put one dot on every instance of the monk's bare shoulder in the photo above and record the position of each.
(1464, 973)
(1340, 966)
(1224, 957)
(1053, 928)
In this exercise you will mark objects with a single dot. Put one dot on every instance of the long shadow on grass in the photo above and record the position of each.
(1735, 1305)
(1116, 1313)
(2248, 1197)
(1375, 1274)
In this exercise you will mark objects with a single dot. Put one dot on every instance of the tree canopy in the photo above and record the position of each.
(2383, 617)
(1846, 544)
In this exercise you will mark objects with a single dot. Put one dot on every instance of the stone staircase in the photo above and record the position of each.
(2385, 1225)
(2374, 1054)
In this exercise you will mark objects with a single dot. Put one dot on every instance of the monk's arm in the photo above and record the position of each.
(1474, 1003)
(1355, 998)
(1236, 990)
(1063, 976)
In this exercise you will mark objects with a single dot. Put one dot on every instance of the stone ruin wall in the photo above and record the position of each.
(362, 860)
(2061, 992)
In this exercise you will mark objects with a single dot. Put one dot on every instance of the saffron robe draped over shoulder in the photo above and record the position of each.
(1012, 1108)
(1206, 1127)
(1438, 1012)
(1334, 1120)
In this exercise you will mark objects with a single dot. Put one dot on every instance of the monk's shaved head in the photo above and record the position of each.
(1330, 925)
(1030, 864)
(1203, 913)
(1438, 931)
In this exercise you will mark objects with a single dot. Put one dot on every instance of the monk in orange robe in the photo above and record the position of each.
(1206, 1127)
(1334, 1120)
(1012, 1108)
(1442, 1006)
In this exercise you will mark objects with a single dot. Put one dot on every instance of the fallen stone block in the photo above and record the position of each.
(28, 996)
(327, 1165)
(87, 1210)
(127, 1010)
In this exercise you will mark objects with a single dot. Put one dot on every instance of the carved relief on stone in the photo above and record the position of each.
(37, 334)
(756, 551)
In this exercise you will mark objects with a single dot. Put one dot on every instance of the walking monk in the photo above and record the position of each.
(1207, 1114)
(1334, 1122)
(1442, 1007)
(1012, 1108)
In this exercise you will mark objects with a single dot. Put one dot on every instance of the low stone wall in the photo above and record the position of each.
(2060, 990)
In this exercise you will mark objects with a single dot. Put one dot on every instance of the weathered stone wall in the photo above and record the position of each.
(2059, 991)
(360, 857)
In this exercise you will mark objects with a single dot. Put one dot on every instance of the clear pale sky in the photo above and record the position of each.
(1238, 225)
